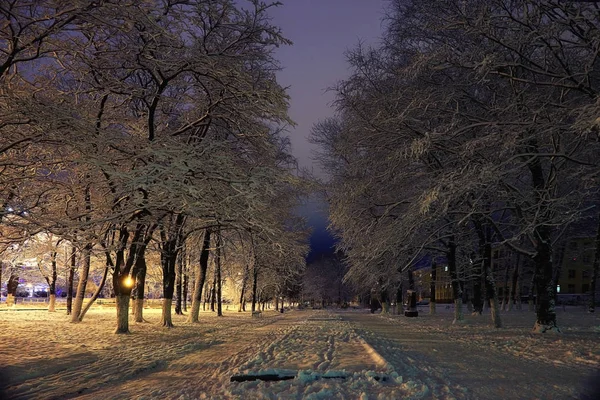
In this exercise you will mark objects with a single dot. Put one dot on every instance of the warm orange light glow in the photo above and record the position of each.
(128, 282)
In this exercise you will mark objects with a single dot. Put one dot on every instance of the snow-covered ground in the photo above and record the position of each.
(328, 355)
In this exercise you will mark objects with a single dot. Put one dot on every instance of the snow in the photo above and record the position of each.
(331, 354)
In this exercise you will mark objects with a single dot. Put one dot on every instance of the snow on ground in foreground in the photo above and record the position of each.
(44, 356)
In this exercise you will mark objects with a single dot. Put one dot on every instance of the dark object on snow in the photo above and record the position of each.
(286, 377)
(270, 377)
(411, 304)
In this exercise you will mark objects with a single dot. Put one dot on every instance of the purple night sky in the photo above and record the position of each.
(322, 31)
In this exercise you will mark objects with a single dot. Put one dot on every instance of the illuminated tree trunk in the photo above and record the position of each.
(242, 305)
(70, 279)
(139, 273)
(95, 295)
(52, 283)
(179, 283)
(11, 288)
(254, 286)
(213, 291)
(185, 286)
(81, 286)
(218, 275)
(200, 278)
(122, 313)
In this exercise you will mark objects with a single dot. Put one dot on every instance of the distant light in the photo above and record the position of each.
(557, 288)
(446, 268)
(128, 282)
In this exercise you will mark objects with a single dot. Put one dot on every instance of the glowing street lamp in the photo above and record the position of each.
(128, 282)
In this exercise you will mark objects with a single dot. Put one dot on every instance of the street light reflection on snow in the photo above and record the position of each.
(128, 282)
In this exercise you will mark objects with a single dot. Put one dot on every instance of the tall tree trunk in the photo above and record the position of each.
(122, 303)
(505, 291)
(595, 270)
(169, 261)
(171, 240)
(213, 291)
(242, 305)
(545, 289)
(139, 273)
(477, 300)
(179, 283)
(432, 304)
(490, 285)
(52, 283)
(544, 284)
(399, 298)
(11, 288)
(70, 279)
(485, 249)
(200, 278)
(218, 275)
(185, 283)
(254, 286)
(95, 295)
(456, 286)
(531, 293)
(81, 286)
(385, 304)
(512, 296)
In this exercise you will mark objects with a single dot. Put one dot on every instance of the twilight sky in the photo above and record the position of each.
(322, 30)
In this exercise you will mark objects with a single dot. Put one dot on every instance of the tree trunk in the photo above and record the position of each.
(81, 286)
(505, 291)
(218, 275)
(185, 286)
(456, 287)
(432, 308)
(139, 272)
(122, 301)
(477, 300)
(169, 263)
(545, 289)
(213, 291)
(179, 283)
(95, 296)
(595, 270)
(242, 305)
(254, 286)
(11, 288)
(70, 280)
(200, 278)
(385, 304)
(512, 296)
(490, 286)
(530, 303)
(399, 299)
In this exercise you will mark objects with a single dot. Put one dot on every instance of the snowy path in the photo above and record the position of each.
(331, 355)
